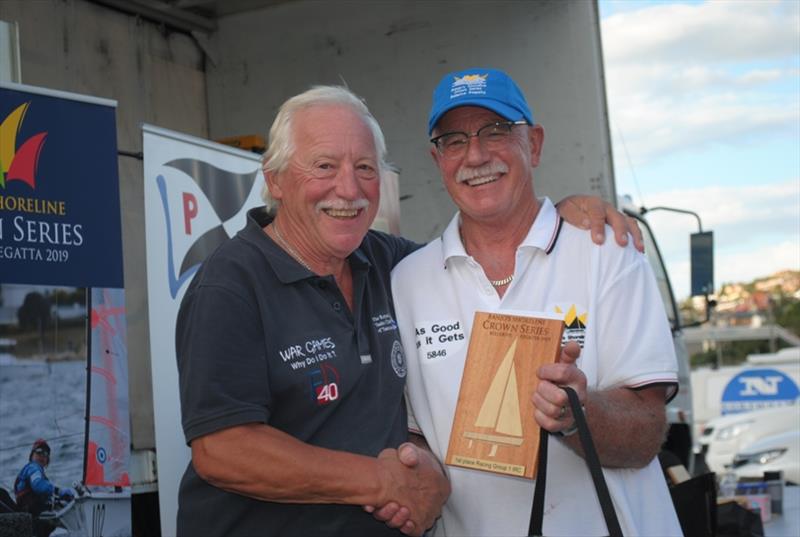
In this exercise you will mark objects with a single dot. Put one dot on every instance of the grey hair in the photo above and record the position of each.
(280, 147)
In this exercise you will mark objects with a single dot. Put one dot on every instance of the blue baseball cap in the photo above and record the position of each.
(487, 88)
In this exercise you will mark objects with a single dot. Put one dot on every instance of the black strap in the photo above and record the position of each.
(592, 461)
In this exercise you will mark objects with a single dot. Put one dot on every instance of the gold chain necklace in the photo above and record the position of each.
(288, 248)
(496, 283)
(504, 281)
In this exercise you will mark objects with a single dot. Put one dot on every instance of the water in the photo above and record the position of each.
(42, 400)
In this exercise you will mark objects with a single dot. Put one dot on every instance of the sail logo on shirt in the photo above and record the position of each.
(575, 322)
(324, 384)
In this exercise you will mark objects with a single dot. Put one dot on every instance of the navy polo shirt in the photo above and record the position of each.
(261, 339)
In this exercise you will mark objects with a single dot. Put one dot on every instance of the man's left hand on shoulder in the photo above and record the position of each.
(593, 213)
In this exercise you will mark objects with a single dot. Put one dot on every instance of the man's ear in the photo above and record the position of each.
(536, 140)
(273, 184)
(435, 156)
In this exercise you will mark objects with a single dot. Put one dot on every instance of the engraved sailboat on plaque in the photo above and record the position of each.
(494, 428)
(500, 408)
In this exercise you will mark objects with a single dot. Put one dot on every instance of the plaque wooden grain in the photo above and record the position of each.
(494, 429)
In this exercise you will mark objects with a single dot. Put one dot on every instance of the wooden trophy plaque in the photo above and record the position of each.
(494, 428)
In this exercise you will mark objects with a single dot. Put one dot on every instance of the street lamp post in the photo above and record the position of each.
(675, 210)
(701, 246)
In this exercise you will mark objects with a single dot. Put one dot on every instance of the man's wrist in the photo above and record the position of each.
(569, 431)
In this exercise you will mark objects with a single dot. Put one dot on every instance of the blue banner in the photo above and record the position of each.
(59, 190)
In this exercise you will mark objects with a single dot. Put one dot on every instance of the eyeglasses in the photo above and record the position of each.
(40, 451)
(493, 136)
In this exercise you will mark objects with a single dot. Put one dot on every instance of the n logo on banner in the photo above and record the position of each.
(758, 388)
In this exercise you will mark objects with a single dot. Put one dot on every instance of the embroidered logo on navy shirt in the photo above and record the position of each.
(312, 351)
(324, 384)
(398, 359)
(384, 323)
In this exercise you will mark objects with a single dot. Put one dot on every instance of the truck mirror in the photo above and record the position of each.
(702, 259)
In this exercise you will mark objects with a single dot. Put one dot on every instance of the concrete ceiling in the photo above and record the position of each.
(187, 15)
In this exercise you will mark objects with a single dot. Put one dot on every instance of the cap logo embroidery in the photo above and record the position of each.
(468, 85)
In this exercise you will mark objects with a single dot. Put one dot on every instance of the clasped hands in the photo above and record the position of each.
(413, 489)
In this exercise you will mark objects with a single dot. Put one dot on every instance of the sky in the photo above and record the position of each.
(704, 102)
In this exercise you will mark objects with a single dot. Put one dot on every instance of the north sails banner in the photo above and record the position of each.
(196, 195)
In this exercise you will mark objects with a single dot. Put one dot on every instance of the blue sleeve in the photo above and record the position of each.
(39, 483)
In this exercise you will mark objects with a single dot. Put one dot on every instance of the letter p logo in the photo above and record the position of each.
(189, 211)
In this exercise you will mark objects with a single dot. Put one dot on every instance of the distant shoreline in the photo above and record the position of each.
(7, 358)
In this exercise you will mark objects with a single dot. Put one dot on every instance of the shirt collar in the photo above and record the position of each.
(286, 268)
(542, 234)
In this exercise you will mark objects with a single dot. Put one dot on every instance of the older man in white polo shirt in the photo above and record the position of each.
(508, 250)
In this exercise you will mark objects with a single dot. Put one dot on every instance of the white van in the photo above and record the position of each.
(765, 380)
(775, 453)
(725, 436)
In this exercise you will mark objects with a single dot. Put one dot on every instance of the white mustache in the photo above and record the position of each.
(342, 205)
(492, 168)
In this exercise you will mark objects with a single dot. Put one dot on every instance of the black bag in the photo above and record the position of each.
(695, 502)
(592, 461)
(733, 520)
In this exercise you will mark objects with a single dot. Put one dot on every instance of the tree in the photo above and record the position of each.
(34, 313)
(787, 315)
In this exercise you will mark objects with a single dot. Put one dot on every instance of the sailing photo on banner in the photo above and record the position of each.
(64, 410)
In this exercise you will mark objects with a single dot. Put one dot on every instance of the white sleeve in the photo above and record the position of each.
(634, 336)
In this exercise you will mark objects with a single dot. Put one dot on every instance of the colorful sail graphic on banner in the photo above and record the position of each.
(19, 164)
(107, 440)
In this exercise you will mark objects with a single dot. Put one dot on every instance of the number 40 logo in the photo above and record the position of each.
(328, 393)
(325, 384)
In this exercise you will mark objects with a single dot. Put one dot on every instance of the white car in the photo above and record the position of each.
(770, 454)
(725, 436)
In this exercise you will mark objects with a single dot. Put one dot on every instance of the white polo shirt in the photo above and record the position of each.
(611, 305)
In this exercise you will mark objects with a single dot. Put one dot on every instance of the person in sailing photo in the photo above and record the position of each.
(34, 492)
